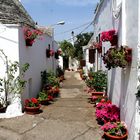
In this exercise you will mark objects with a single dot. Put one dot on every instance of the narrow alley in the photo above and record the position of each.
(70, 117)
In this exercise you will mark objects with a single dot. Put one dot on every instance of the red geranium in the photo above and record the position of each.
(31, 33)
(33, 102)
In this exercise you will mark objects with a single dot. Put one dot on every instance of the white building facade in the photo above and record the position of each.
(124, 17)
(13, 45)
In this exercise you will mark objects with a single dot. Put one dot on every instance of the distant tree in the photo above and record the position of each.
(67, 48)
(82, 40)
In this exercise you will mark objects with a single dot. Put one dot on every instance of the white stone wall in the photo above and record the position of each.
(86, 57)
(122, 83)
(9, 45)
(36, 57)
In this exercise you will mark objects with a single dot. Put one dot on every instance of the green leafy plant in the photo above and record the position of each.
(98, 82)
(13, 81)
(42, 96)
(59, 71)
(49, 78)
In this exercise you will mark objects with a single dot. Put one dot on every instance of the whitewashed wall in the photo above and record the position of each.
(36, 57)
(86, 57)
(122, 83)
(9, 45)
(55, 61)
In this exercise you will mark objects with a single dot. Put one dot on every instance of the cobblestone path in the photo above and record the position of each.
(70, 117)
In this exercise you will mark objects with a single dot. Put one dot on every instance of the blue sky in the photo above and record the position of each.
(74, 12)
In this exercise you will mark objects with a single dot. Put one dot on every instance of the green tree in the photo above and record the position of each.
(82, 40)
(67, 48)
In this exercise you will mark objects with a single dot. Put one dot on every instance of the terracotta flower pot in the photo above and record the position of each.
(32, 110)
(45, 102)
(95, 93)
(110, 137)
(3, 109)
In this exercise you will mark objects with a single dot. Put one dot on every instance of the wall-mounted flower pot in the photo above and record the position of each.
(29, 42)
(48, 53)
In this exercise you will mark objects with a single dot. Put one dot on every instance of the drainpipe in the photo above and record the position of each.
(124, 22)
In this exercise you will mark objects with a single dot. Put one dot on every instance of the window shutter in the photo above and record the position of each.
(91, 56)
(82, 63)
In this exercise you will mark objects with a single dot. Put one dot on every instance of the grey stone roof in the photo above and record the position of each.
(12, 12)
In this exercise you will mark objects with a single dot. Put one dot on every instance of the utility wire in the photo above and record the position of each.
(74, 28)
(82, 30)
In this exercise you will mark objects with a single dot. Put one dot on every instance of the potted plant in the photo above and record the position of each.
(117, 57)
(96, 99)
(30, 35)
(107, 112)
(32, 106)
(97, 83)
(115, 130)
(43, 98)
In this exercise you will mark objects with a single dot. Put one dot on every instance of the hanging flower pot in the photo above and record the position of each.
(47, 53)
(29, 42)
(30, 35)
